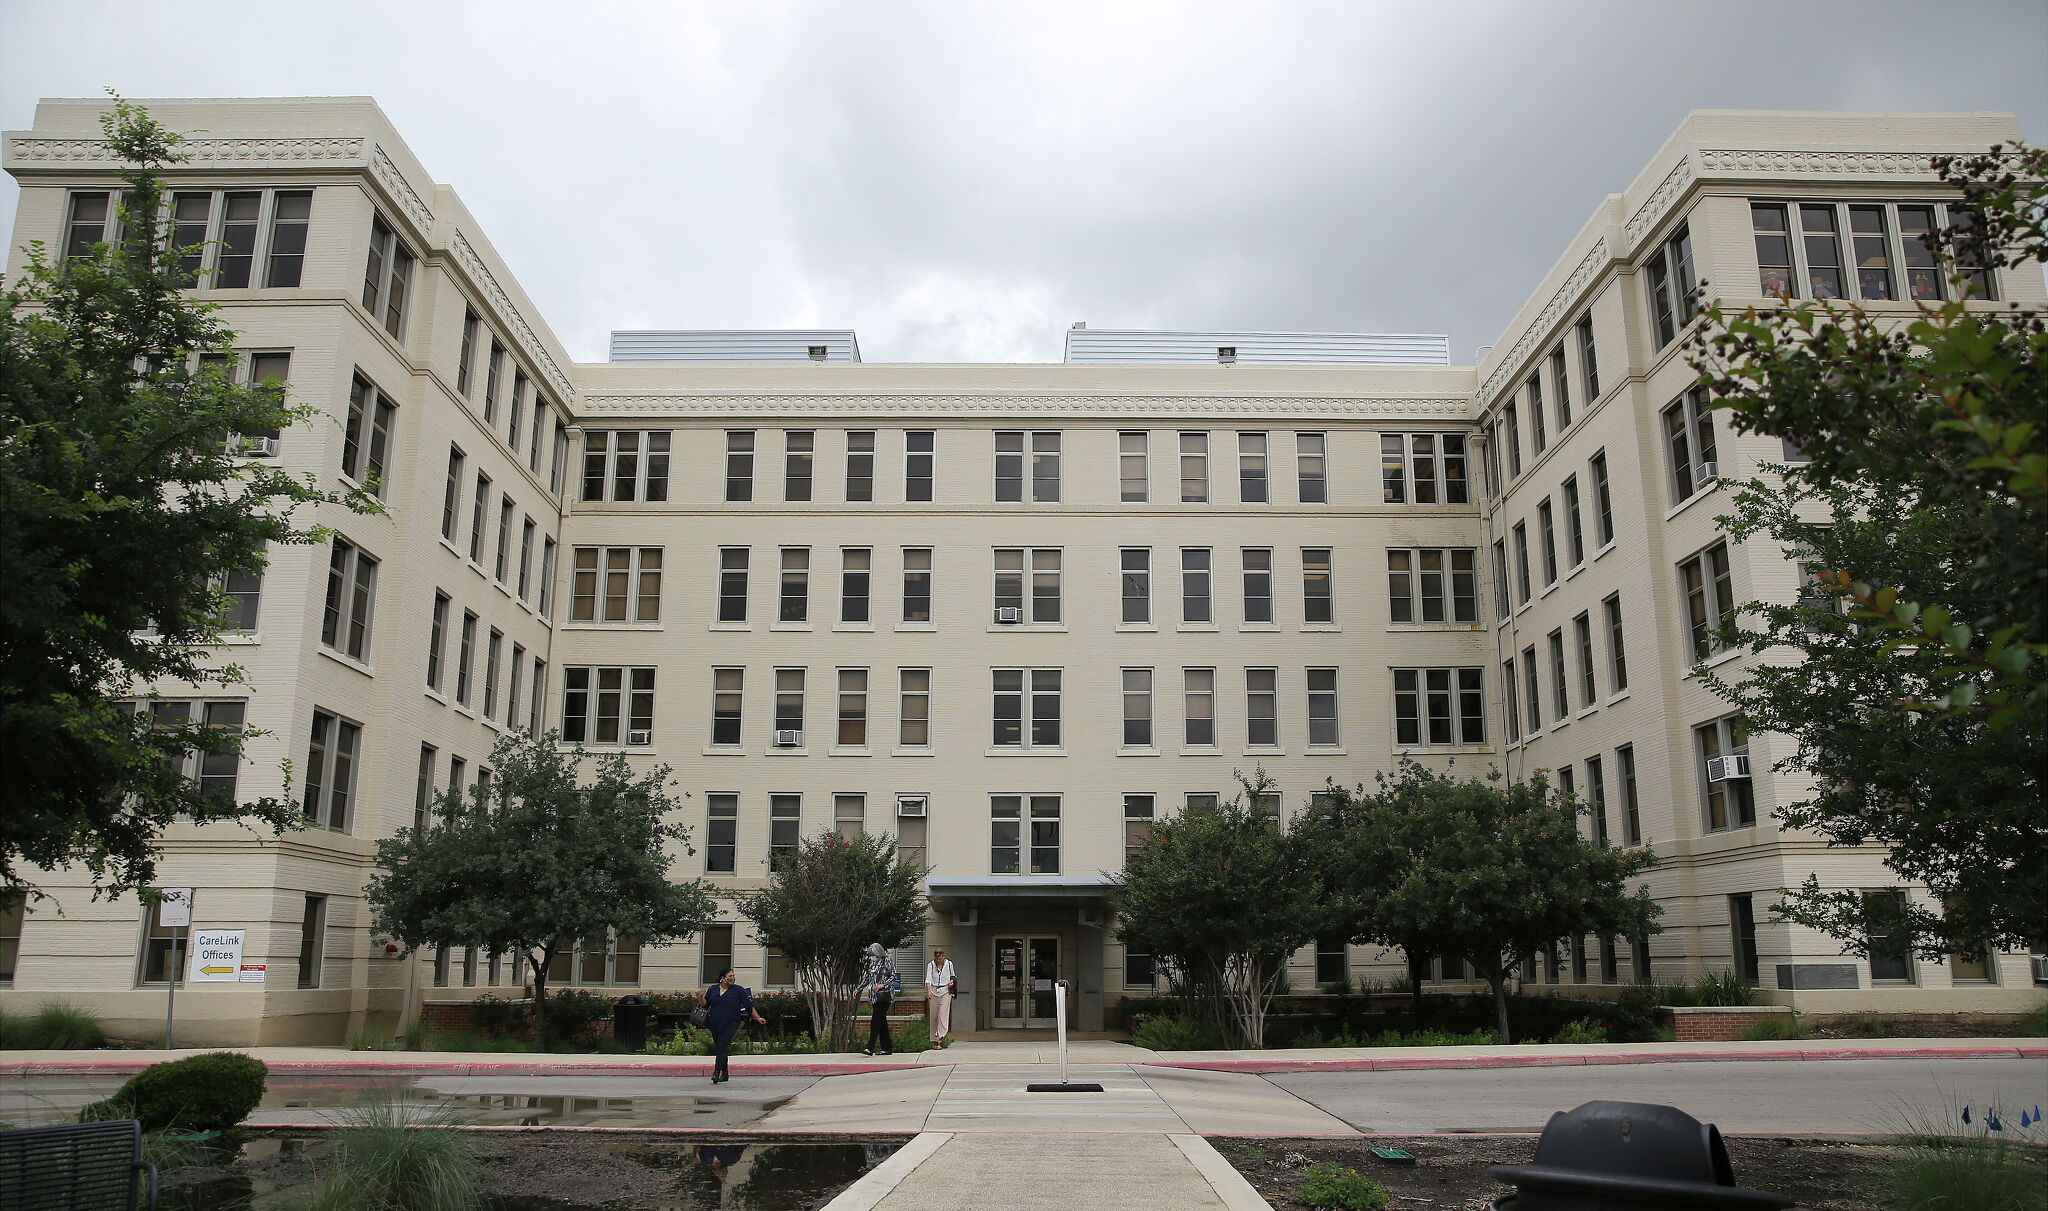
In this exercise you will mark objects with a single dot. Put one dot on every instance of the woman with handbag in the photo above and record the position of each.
(726, 1005)
(938, 995)
(880, 979)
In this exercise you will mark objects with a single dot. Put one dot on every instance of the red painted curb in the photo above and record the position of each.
(1535, 1060)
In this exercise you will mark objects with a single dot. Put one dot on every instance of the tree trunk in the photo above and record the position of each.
(1415, 965)
(540, 996)
(1499, 979)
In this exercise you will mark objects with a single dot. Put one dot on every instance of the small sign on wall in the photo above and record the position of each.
(253, 973)
(216, 956)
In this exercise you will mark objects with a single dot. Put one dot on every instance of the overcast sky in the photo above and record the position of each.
(960, 182)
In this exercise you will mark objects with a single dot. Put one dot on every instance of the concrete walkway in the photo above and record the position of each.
(945, 1172)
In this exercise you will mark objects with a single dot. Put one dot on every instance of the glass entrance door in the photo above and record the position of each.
(1025, 968)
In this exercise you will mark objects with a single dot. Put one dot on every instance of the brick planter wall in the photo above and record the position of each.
(1715, 1023)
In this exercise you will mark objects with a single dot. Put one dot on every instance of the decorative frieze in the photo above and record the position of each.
(1659, 201)
(408, 198)
(1566, 296)
(521, 331)
(1817, 163)
(1153, 407)
(45, 149)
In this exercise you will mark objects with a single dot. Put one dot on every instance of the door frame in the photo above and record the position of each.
(1024, 938)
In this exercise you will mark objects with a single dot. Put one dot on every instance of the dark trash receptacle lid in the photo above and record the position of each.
(1620, 1156)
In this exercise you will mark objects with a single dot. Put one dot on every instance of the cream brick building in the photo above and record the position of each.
(1006, 612)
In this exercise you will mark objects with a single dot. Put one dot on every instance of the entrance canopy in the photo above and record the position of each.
(968, 890)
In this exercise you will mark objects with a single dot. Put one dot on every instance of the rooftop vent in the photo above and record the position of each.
(1226, 354)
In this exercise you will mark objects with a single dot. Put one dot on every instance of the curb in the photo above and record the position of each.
(1426, 1063)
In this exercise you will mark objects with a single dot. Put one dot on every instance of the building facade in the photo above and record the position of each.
(1008, 614)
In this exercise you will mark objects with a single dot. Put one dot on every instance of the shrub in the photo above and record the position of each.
(690, 1040)
(2036, 1021)
(495, 1016)
(1777, 1026)
(1867, 1025)
(395, 1154)
(210, 1092)
(1437, 1038)
(1176, 1034)
(368, 1038)
(415, 1036)
(1340, 1189)
(1583, 1030)
(1724, 988)
(915, 1037)
(58, 1026)
(1943, 1163)
(573, 1011)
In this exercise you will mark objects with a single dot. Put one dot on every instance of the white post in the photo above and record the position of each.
(1059, 1009)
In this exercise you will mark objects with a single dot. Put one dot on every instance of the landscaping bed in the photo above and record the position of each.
(1450, 1170)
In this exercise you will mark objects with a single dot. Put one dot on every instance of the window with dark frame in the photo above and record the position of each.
(919, 453)
(1439, 706)
(1137, 708)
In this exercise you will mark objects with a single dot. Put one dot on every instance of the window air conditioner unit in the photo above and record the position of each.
(911, 805)
(262, 447)
(1723, 769)
(1226, 354)
(642, 736)
(789, 739)
(1009, 614)
(2040, 965)
(1709, 471)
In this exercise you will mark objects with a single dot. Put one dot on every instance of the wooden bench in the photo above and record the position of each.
(76, 1166)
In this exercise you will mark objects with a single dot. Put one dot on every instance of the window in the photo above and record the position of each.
(917, 584)
(526, 532)
(1194, 468)
(518, 670)
(1560, 387)
(162, 945)
(1138, 817)
(1514, 703)
(796, 464)
(1603, 501)
(1139, 970)
(1546, 527)
(494, 375)
(1886, 267)
(385, 279)
(789, 705)
(1709, 599)
(1617, 652)
(540, 424)
(363, 455)
(914, 707)
(918, 455)
(1027, 719)
(1137, 708)
(1589, 688)
(1589, 362)
(1262, 727)
(464, 657)
(1513, 435)
(853, 584)
(1560, 687)
(732, 584)
(1258, 584)
(615, 585)
(226, 228)
(1311, 467)
(561, 457)
(1316, 603)
(1539, 431)
(1198, 694)
(1773, 250)
(1891, 958)
(849, 816)
(540, 690)
(1133, 467)
(1574, 530)
(853, 708)
(1500, 579)
(214, 774)
(1723, 749)
(1194, 585)
(739, 465)
(506, 509)
(625, 465)
(1631, 813)
(351, 589)
(1432, 464)
(716, 954)
(1923, 276)
(1322, 706)
(1596, 797)
(479, 519)
(92, 221)
(1333, 962)
(1533, 679)
(721, 834)
(547, 576)
(910, 830)
(860, 465)
(1005, 841)
(1742, 928)
(728, 691)
(493, 650)
(517, 410)
(1044, 451)
(1137, 584)
(1440, 706)
(312, 939)
(423, 790)
(1689, 440)
(436, 637)
(598, 700)
(796, 585)
(1674, 294)
(1432, 585)
(1522, 563)
(451, 495)
(331, 771)
(1251, 468)
(1044, 603)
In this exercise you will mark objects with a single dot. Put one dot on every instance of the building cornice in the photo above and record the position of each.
(515, 320)
(1565, 297)
(1916, 164)
(591, 404)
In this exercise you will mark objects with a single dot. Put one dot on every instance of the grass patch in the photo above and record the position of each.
(368, 1038)
(1867, 1026)
(1964, 1163)
(1340, 1189)
(1778, 1027)
(463, 1040)
(1714, 988)
(54, 1026)
(392, 1153)
(2037, 1021)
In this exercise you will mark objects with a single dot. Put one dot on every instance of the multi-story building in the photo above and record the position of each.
(1009, 614)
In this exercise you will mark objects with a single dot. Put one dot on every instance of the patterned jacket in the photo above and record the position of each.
(878, 978)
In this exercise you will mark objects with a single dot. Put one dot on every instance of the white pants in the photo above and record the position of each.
(940, 1008)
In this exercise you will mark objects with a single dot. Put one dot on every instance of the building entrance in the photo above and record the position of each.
(1025, 968)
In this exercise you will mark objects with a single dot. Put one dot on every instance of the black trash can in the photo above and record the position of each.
(1628, 1156)
(629, 1023)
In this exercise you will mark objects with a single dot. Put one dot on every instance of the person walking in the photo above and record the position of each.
(726, 1005)
(878, 977)
(938, 996)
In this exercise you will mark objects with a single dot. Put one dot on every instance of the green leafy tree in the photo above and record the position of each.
(1463, 866)
(124, 498)
(1223, 897)
(824, 902)
(543, 861)
(1919, 702)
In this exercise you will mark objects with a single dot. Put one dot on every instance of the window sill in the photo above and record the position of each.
(1713, 662)
(916, 626)
(1136, 628)
(1527, 605)
(448, 545)
(1586, 710)
(790, 626)
(1575, 569)
(1328, 750)
(1698, 494)
(1425, 750)
(347, 661)
(716, 626)
(863, 628)
(1198, 628)
(912, 750)
(1145, 750)
(1042, 628)
(462, 708)
(1558, 723)
(611, 626)
(1014, 750)
(775, 751)
(436, 695)
(476, 567)
(1547, 590)
(600, 746)
(1321, 628)
(1263, 750)
(1258, 628)
(1411, 627)
(860, 750)
(1200, 750)
(500, 586)
(725, 750)
(1621, 697)
(1603, 551)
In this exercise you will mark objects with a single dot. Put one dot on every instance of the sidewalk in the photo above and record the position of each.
(939, 1171)
(334, 1060)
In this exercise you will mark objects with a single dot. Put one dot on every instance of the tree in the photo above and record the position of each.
(124, 497)
(1223, 896)
(1923, 713)
(824, 903)
(541, 862)
(1491, 873)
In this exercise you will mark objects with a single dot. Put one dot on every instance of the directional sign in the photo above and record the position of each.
(216, 956)
(174, 911)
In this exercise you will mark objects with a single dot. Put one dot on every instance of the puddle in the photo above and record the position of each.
(499, 1102)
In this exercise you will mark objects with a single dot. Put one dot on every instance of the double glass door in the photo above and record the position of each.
(1025, 970)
